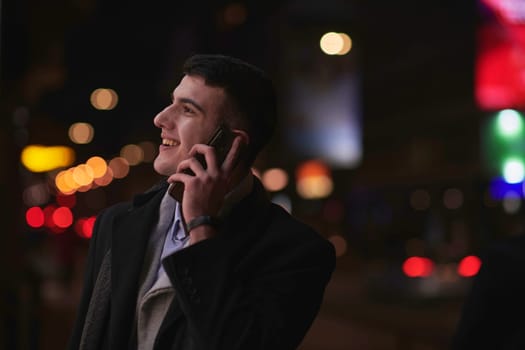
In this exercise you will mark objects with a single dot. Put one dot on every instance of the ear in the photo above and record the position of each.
(243, 134)
(245, 141)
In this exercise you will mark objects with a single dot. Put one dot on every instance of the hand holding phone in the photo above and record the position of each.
(221, 141)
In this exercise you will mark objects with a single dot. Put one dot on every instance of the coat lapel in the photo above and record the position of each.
(129, 241)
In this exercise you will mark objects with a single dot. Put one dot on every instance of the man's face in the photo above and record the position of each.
(193, 115)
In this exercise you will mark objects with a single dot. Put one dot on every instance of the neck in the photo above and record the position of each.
(241, 189)
(238, 175)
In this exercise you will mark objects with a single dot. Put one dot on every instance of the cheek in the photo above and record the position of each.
(191, 135)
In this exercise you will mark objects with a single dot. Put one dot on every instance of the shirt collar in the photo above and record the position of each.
(180, 233)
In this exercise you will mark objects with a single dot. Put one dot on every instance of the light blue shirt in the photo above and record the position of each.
(176, 238)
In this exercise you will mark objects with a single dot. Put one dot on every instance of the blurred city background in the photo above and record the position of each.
(401, 140)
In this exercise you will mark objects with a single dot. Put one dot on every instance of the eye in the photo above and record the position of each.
(187, 109)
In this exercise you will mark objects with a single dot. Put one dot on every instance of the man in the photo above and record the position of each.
(222, 269)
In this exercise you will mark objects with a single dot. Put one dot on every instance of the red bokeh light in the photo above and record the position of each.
(35, 217)
(500, 57)
(84, 227)
(79, 225)
(67, 200)
(62, 217)
(50, 223)
(48, 214)
(417, 266)
(469, 266)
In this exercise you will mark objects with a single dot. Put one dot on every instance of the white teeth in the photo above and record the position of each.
(168, 142)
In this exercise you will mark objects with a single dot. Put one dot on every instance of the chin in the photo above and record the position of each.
(162, 167)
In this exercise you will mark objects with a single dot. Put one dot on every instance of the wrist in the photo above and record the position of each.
(201, 221)
(201, 233)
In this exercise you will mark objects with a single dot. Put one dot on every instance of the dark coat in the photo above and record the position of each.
(257, 285)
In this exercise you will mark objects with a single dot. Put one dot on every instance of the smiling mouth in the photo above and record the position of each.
(169, 142)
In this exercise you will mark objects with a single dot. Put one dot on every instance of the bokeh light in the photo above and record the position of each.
(417, 266)
(84, 227)
(149, 150)
(510, 123)
(314, 180)
(469, 266)
(453, 198)
(35, 217)
(234, 14)
(36, 194)
(38, 158)
(66, 200)
(120, 167)
(106, 179)
(513, 170)
(87, 227)
(511, 202)
(81, 133)
(132, 153)
(275, 179)
(98, 165)
(83, 175)
(333, 43)
(339, 244)
(62, 217)
(104, 99)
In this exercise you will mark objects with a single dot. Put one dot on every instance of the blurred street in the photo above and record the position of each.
(350, 320)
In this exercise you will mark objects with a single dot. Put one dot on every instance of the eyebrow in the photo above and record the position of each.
(191, 102)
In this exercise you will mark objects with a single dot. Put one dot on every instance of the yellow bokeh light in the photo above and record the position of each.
(104, 99)
(38, 158)
(81, 133)
(98, 165)
(347, 44)
(333, 43)
(120, 167)
(133, 154)
(275, 179)
(314, 187)
(313, 180)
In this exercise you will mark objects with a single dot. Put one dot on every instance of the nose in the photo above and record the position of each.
(162, 119)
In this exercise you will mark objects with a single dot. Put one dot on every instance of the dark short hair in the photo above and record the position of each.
(249, 89)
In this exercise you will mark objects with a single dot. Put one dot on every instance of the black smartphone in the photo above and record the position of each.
(221, 141)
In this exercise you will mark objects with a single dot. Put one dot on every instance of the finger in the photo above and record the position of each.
(190, 166)
(208, 155)
(179, 177)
